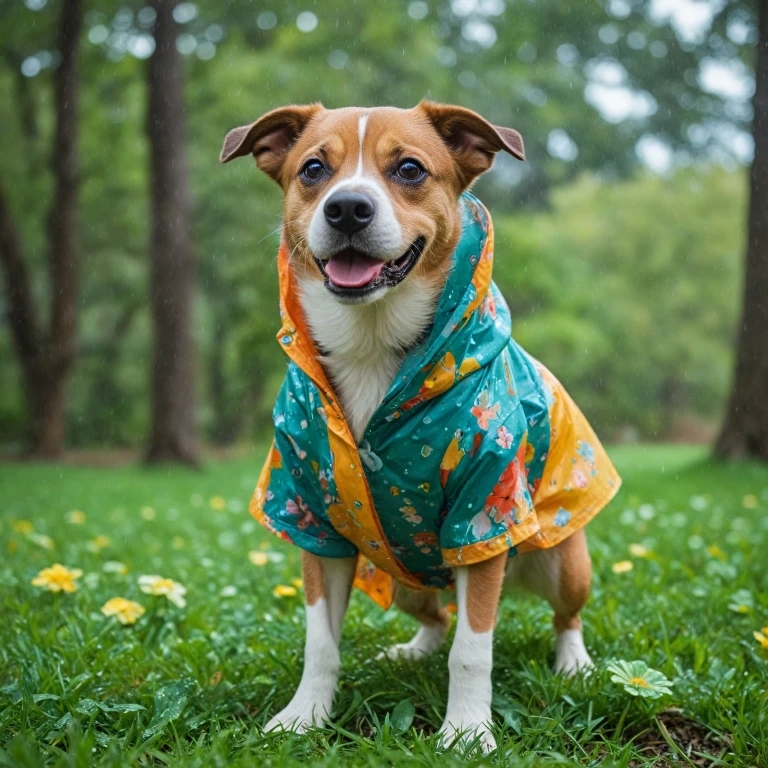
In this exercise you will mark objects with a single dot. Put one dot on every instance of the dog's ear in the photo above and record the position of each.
(472, 140)
(269, 138)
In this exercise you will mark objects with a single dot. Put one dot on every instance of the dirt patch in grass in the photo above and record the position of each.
(697, 742)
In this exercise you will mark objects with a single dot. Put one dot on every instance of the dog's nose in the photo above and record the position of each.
(349, 212)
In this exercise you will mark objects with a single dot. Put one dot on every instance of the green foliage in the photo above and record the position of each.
(191, 686)
(629, 293)
(634, 310)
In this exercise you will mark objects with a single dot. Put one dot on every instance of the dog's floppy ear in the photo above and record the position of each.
(269, 138)
(473, 141)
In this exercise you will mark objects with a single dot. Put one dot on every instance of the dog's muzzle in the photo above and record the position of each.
(349, 212)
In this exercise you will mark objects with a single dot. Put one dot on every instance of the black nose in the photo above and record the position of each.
(349, 212)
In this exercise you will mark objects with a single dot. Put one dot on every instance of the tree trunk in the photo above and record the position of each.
(22, 315)
(63, 243)
(744, 432)
(46, 363)
(173, 435)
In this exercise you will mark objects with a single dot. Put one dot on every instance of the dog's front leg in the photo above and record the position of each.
(327, 583)
(478, 588)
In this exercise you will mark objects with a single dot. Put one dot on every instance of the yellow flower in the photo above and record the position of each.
(157, 585)
(623, 566)
(762, 637)
(264, 545)
(125, 611)
(57, 578)
(98, 543)
(638, 550)
(218, 503)
(750, 501)
(258, 558)
(148, 513)
(298, 583)
(76, 517)
(282, 590)
(22, 526)
(178, 542)
(715, 551)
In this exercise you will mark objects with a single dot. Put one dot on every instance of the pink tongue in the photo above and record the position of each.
(349, 269)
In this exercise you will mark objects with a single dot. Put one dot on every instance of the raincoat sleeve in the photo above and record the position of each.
(296, 483)
(489, 507)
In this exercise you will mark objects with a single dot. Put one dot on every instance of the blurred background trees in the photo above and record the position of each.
(620, 241)
(745, 427)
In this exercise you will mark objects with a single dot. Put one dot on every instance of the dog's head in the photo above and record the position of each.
(371, 194)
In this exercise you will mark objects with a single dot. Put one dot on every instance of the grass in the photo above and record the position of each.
(77, 688)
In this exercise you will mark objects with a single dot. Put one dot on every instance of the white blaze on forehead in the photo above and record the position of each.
(383, 238)
(361, 123)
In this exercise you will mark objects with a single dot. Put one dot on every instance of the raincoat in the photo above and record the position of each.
(476, 448)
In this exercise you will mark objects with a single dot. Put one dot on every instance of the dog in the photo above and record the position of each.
(417, 446)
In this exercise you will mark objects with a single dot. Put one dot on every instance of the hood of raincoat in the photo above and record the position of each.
(476, 448)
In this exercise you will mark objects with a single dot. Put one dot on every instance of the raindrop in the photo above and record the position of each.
(527, 52)
(184, 12)
(480, 32)
(141, 46)
(636, 40)
(214, 33)
(206, 50)
(306, 21)
(123, 19)
(186, 44)
(567, 54)
(30, 66)
(468, 79)
(338, 59)
(418, 10)
(608, 34)
(98, 34)
(446, 56)
(266, 20)
(147, 16)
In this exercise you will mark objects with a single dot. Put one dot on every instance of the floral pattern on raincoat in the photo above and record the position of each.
(475, 450)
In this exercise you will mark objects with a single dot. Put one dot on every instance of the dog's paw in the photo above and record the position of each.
(427, 640)
(466, 733)
(297, 717)
(406, 651)
(571, 656)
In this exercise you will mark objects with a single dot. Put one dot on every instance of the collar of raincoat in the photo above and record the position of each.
(468, 284)
(457, 315)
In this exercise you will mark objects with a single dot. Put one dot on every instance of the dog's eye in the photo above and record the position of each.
(312, 170)
(411, 170)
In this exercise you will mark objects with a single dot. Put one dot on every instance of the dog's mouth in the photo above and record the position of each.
(352, 272)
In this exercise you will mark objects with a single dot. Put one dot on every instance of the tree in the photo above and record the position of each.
(46, 360)
(173, 433)
(745, 429)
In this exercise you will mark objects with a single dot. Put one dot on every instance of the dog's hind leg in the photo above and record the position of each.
(327, 584)
(562, 576)
(575, 577)
(433, 618)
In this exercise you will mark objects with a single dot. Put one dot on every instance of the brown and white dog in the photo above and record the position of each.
(371, 219)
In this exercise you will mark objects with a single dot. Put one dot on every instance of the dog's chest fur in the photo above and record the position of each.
(362, 345)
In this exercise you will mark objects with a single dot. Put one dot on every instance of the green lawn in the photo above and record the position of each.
(77, 688)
